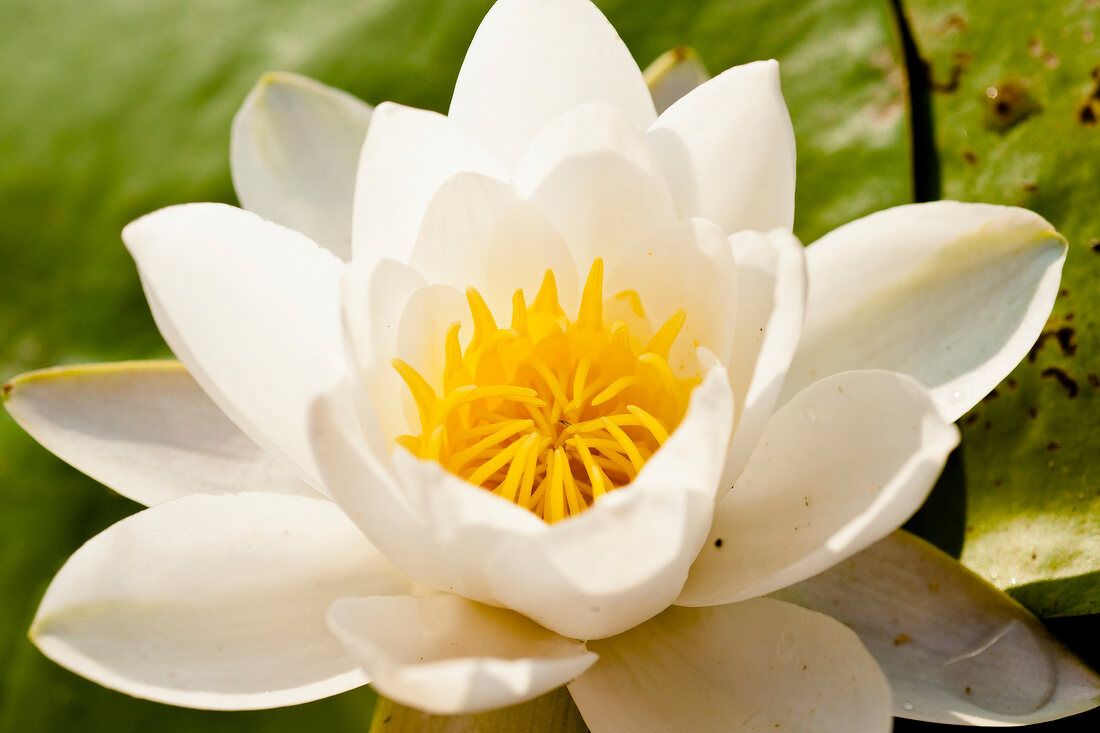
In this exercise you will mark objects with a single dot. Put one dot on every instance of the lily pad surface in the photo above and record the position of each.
(1015, 97)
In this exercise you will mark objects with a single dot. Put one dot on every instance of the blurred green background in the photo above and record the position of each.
(112, 108)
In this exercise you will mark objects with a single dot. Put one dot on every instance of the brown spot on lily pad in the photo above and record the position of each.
(1089, 113)
(1066, 340)
(959, 61)
(1008, 103)
(1094, 381)
(954, 22)
(1064, 379)
(970, 157)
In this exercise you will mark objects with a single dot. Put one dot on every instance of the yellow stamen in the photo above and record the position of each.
(550, 413)
(591, 313)
(484, 323)
(635, 302)
(651, 423)
(662, 341)
(519, 313)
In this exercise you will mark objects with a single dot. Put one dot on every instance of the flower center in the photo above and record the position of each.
(550, 413)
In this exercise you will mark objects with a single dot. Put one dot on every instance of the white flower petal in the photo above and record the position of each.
(533, 60)
(362, 484)
(602, 571)
(727, 150)
(214, 602)
(252, 310)
(293, 153)
(421, 340)
(407, 156)
(952, 294)
(477, 232)
(759, 665)
(375, 294)
(771, 304)
(688, 265)
(673, 74)
(840, 466)
(955, 649)
(145, 429)
(593, 176)
(446, 655)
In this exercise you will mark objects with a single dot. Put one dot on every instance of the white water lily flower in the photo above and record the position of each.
(556, 401)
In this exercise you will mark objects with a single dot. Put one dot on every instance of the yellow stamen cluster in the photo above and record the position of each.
(550, 413)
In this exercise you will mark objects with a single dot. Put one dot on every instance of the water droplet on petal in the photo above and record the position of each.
(907, 705)
(1010, 671)
(809, 413)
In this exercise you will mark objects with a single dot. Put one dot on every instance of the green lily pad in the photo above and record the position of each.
(115, 108)
(1015, 95)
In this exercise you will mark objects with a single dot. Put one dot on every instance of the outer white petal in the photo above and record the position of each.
(145, 429)
(673, 74)
(727, 150)
(953, 294)
(407, 156)
(593, 176)
(214, 602)
(478, 232)
(760, 665)
(252, 310)
(293, 153)
(446, 655)
(603, 571)
(955, 649)
(839, 467)
(533, 60)
(771, 303)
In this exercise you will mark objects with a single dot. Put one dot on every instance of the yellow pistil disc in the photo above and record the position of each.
(550, 413)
